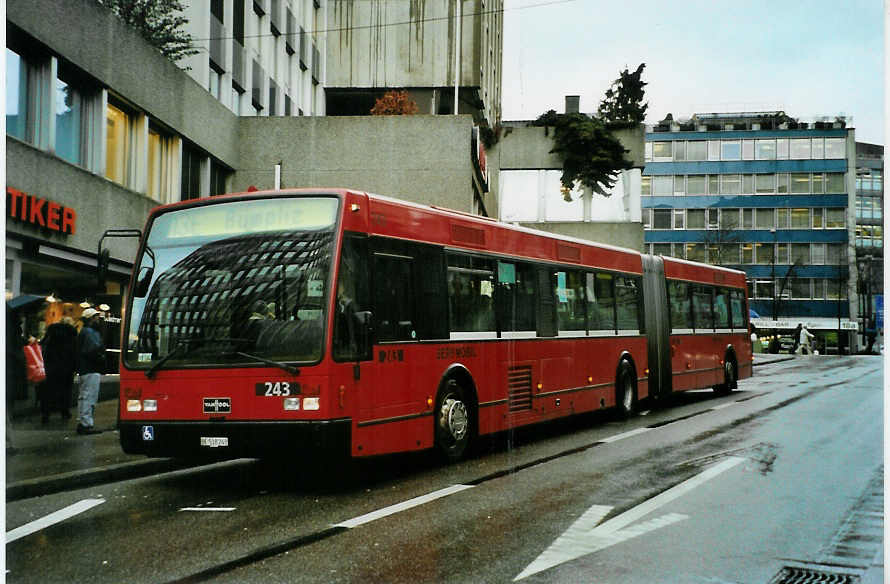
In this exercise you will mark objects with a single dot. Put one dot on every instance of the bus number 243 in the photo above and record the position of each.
(273, 388)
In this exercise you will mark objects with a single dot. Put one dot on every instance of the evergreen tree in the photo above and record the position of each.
(623, 104)
(158, 21)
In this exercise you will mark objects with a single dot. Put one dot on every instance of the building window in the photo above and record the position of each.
(69, 121)
(800, 148)
(835, 218)
(695, 252)
(218, 177)
(712, 219)
(765, 219)
(748, 184)
(731, 150)
(782, 218)
(764, 183)
(661, 218)
(679, 185)
(817, 183)
(817, 254)
(695, 219)
(696, 184)
(729, 219)
(835, 148)
(817, 219)
(747, 218)
(782, 148)
(818, 148)
(765, 149)
(160, 153)
(834, 183)
(800, 218)
(783, 253)
(714, 150)
(679, 218)
(747, 149)
(662, 185)
(679, 151)
(661, 151)
(118, 144)
(800, 254)
(190, 184)
(697, 150)
(800, 183)
(662, 249)
(16, 95)
(646, 185)
(764, 253)
(782, 183)
(800, 288)
(730, 184)
(747, 253)
(713, 184)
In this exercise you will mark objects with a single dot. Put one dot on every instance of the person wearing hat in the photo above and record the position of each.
(90, 364)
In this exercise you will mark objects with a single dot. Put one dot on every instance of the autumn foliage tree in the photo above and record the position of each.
(394, 103)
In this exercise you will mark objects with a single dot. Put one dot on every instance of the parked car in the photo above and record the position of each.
(786, 344)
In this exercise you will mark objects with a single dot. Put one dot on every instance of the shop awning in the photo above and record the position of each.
(24, 300)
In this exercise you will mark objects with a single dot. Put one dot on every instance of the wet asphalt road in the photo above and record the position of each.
(728, 489)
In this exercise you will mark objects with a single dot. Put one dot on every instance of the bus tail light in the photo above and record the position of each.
(311, 403)
(291, 404)
(150, 405)
(134, 405)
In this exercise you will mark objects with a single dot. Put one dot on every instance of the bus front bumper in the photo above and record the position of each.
(235, 439)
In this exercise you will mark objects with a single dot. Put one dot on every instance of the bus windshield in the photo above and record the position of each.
(232, 283)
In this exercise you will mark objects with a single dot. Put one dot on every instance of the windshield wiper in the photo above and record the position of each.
(149, 373)
(289, 368)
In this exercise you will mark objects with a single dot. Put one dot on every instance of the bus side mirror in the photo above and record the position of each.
(142, 282)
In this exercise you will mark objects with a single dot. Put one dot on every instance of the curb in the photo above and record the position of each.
(788, 358)
(78, 479)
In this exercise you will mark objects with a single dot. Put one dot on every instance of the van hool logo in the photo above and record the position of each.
(217, 405)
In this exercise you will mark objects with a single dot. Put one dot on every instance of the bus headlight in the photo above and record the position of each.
(150, 405)
(311, 403)
(291, 403)
(134, 405)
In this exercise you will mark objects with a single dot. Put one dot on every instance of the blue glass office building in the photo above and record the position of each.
(767, 194)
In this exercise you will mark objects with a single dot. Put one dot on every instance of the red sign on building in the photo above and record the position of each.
(40, 212)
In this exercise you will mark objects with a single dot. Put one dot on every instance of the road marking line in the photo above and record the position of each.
(52, 519)
(585, 537)
(624, 435)
(403, 506)
(208, 508)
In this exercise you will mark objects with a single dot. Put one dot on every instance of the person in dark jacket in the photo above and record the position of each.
(60, 361)
(90, 364)
(16, 375)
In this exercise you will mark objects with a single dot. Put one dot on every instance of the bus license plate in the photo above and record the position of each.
(214, 441)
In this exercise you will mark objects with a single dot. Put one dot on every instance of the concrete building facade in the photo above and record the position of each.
(869, 242)
(767, 194)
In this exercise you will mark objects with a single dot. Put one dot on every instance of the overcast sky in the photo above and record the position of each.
(808, 58)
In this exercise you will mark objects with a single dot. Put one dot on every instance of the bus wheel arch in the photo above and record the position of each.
(626, 386)
(455, 414)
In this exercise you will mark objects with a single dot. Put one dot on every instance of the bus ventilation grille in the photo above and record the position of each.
(803, 575)
(519, 388)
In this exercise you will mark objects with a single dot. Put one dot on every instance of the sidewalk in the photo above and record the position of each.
(54, 457)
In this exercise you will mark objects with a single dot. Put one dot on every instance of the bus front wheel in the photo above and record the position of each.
(454, 422)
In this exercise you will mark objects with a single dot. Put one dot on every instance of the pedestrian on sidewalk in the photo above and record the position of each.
(90, 364)
(36, 371)
(60, 359)
(805, 338)
(16, 372)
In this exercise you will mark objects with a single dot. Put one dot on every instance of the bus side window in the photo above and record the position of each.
(702, 301)
(470, 294)
(737, 305)
(604, 308)
(627, 295)
(352, 297)
(678, 296)
(721, 308)
(394, 298)
(570, 300)
(515, 303)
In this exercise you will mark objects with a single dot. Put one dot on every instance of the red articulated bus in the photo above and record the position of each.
(334, 321)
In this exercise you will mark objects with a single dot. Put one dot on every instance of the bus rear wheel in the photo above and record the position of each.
(625, 390)
(454, 422)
